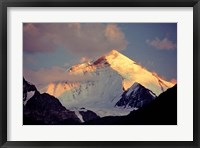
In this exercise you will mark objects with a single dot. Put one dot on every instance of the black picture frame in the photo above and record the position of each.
(4, 4)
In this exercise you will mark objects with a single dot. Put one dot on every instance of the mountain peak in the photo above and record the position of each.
(107, 58)
(132, 72)
(136, 96)
(113, 52)
(129, 71)
(114, 57)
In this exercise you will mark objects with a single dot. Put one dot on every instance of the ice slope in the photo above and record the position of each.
(102, 91)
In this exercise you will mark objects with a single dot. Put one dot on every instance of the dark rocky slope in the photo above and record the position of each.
(44, 108)
(161, 111)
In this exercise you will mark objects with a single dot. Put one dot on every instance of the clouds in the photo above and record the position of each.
(36, 39)
(45, 75)
(162, 44)
(85, 39)
(42, 77)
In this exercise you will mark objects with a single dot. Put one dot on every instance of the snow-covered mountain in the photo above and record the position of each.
(136, 96)
(104, 82)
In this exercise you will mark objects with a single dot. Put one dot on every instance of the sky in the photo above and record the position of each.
(48, 48)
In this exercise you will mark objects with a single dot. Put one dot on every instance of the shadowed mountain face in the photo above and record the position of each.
(89, 115)
(44, 108)
(136, 96)
(161, 111)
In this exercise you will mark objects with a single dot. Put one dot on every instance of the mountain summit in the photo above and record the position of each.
(129, 70)
(103, 81)
(132, 72)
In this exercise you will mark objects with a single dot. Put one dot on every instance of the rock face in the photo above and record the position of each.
(28, 91)
(44, 108)
(161, 111)
(136, 96)
(88, 115)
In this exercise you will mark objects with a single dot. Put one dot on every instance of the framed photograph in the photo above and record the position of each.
(105, 73)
